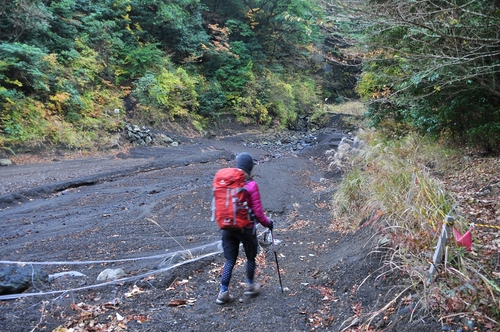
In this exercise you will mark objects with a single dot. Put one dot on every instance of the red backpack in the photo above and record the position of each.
(230, 199)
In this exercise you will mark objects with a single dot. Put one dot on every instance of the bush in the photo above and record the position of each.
(212, 99)
(172, 92)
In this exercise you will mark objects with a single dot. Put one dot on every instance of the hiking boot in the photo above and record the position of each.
(224, 297)
(252, 289)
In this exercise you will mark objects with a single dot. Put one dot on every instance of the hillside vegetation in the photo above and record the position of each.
(406, 188)
(71, 71)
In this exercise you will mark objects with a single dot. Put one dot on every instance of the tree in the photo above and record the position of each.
(19, 18)
(434, 65)
(284, 27)
(176, 24)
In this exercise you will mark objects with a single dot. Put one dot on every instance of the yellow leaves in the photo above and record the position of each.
(250, 15)
(300, 224)
(51, 60)
(137, 26)
(57, 105)
(220, 38)
(13, 82)
(60, 97)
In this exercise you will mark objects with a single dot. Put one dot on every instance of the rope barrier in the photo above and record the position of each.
(487, 226)
(415, 180)
(88, 262)
(143, 275)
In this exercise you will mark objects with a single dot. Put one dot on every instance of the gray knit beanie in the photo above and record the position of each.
(244, 161)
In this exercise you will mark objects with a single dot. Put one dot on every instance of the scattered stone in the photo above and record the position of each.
(209, 134)
(138, 135)
(144, 136)
(111, 274)
(5, 162)
(65, 273)
(164, 139)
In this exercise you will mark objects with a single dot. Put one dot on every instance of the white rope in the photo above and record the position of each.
(86, 262)
(25, 295)
(112, 260)
(18, 296)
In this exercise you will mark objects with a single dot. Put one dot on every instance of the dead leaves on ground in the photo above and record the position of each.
(89, 318)
(299, 224)
(327, 294)
(322, 318)
(135, 290)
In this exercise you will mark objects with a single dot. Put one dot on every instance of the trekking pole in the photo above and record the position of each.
(276, 258)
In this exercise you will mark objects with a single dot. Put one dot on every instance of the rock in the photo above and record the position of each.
(65, 273)
(209, 134)
(164, 139)
(144, 136)
(114, 141)
(111, 274)
(5, 162)
(135, 134)
(15, 279)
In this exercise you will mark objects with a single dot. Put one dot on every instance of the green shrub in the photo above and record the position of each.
(142, 59)
(211, 98)
(170, 92)
(281, 101)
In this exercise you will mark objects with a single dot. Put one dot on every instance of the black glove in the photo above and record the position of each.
(271, 225)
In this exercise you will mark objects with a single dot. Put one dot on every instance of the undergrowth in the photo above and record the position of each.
(397, 185)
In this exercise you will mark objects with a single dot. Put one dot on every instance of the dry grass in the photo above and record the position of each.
(407, 186)
(350, 108)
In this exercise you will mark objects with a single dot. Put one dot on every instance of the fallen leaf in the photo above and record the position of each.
(135, 290)
(175, 303)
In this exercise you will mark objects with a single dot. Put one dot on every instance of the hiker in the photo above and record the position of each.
(231, 239)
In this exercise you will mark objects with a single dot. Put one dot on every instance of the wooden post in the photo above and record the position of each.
(438, 254)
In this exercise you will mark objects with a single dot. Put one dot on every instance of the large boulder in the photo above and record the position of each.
(15, 279)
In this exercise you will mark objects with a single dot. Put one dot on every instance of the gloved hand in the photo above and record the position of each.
(271, 225)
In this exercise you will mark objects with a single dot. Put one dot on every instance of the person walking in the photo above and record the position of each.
(231, 239)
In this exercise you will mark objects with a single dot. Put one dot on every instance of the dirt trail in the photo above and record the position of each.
(150, 209)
